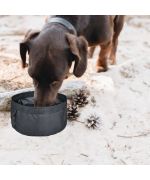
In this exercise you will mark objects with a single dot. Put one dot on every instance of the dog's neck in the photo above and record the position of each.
(73, 19)
(80, 23)
(63, 22)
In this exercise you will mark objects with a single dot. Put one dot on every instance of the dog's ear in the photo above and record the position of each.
(78, 47)
(25, 45)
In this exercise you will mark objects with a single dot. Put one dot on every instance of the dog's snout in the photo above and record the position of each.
(44, 102)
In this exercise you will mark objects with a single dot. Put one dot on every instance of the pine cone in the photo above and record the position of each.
(72, 112)
(93, 122)
(81, 98)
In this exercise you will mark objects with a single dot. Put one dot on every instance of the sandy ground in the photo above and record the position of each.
(122, 102)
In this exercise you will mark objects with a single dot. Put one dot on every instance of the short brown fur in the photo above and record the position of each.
(53, 49)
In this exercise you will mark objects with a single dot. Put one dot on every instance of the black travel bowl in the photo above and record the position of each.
(38, 121)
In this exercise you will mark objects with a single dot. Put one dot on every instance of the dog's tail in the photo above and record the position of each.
(118, 24)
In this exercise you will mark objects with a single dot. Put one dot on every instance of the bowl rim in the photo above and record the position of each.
(38, 110)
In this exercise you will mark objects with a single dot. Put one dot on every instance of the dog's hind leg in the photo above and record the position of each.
(118, 25)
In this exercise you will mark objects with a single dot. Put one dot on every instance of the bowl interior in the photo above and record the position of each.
(27, 99)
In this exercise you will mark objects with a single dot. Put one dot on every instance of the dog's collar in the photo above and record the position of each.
(63, 22)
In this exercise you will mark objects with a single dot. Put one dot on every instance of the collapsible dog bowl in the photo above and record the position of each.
(38, 121)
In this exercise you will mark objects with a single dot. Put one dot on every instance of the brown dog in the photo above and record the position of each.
(65, 39)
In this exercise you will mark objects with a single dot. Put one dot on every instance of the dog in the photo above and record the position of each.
(65, 39)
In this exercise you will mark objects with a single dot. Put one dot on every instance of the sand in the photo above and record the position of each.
(122, 102)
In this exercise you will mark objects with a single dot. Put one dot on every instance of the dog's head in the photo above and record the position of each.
(51, 53)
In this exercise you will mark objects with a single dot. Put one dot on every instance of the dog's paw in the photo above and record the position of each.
(100, 69)
(111, 61)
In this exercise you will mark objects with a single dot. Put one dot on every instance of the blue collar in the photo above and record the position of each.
(63, 22)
